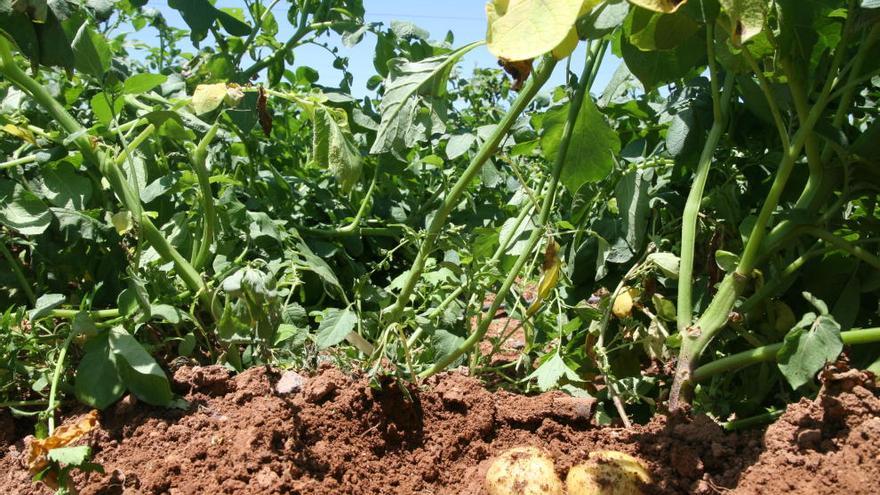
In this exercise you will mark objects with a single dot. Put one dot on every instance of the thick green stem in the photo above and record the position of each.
(539, 77)
(692, 209)
(769, 353)
(199, 160)
(536, 234)
(19, 274)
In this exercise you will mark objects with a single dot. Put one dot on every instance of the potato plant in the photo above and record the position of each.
(713, 209)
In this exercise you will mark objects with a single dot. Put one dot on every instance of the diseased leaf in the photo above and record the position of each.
(335, 326)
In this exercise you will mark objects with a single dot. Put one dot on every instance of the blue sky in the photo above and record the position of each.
(465, 18)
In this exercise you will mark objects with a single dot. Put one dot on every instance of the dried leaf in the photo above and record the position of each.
(519, 71)
(20, 132)
(64, 435)
(208, 97)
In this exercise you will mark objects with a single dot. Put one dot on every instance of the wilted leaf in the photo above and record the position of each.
(38, 449)
(333, 147)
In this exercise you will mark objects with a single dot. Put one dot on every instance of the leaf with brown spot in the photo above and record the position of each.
(64, 435)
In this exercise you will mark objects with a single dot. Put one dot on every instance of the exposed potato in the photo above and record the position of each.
(607, 472)
(523, 471)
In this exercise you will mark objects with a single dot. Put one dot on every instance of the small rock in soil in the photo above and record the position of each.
(291, 382)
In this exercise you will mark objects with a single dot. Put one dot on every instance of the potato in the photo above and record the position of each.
(607, 472)
(523, 471)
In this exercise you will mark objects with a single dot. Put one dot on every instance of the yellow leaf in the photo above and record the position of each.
(121, 221)
(665, 6)
(567, 46)
(20, 132)
(526, 29)
(623, 303)
(207, 97)
(551, 267)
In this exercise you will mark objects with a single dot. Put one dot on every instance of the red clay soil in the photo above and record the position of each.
(333, 434)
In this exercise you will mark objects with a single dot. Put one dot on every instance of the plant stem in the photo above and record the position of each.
(692, 209)
(19, 274)
(53, 389)
(71, 313)
(18, 161)
(761, 419)
(438, 222)
(199, 160)
(544, 215)
(769, 353)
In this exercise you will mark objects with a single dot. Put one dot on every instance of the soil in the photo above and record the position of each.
(268, 431)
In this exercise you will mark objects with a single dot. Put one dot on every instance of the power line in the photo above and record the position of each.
(421, 16)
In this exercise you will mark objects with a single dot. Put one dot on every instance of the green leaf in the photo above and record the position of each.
(667, 263)
(632, 200)
(656, 67)
(527, 29)
(92, 55)
(141, 83)
(44, 305)
(593, 145)
(140, 372)
(232, 24)
(805, 351)
(726, 260)
(101, 107)
(70, 456)
(446, 342)
(551, 372)
(816, 302)
(335, 326)
(98, 383)
(458, 145)
(408, 85)
(871, 4)
(64, 187)
(656, 31)
(333, 147)
(22, 210)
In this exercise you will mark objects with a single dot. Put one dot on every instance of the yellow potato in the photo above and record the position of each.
(607, 472)
(523, 471)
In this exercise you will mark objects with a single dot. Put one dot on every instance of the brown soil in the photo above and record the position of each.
(265, 431)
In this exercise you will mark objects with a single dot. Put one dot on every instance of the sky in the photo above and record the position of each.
(465, 18)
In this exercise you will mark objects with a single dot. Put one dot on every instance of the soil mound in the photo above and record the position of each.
(272, 432)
